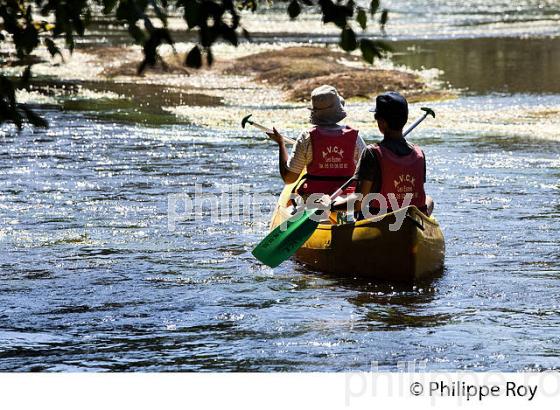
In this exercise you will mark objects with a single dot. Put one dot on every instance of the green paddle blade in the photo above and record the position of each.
(281, 243)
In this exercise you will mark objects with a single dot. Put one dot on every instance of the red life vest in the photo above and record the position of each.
(333, 160)
(401, 175)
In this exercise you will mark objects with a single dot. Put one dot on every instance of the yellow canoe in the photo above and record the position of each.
(369, 248)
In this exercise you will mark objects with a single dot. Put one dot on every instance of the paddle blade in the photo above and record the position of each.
(281, 243)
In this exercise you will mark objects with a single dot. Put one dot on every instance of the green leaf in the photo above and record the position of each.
(136, 33)
(128, 10)
(7, 91)
(229, 34)
(373, 7)
(29, 38)
(372, 49)
(249, 5)
(9, 114)
(29, 14)
(8, 110)
(69, 38)
(52, 48)
(33, 118)
(348, 39)
(208, 35)
(160, 14)
(156, 38)
(79, 26)
(383, 19)
(192, 13)
(25, 77)
(194, 58)
(108, 6)
(294, 9)
(335, 13)
(361, 18)
(368, 49)
(87, 17)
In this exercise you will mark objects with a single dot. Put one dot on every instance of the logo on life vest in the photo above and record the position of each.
(333, 155)
(404, 178)
(404, 184)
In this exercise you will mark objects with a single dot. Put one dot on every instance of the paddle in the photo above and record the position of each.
(287, 238)
(246, 121)
(427, 111)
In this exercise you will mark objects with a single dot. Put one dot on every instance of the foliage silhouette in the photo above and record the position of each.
(28, 24)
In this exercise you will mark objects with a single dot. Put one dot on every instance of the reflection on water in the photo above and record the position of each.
(481, 65)
(413, 19)
(92, 279)
(474, 18)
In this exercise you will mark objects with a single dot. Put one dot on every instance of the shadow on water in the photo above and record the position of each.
(93, 280)
(382, 305)
(351, 282)
(124, 102)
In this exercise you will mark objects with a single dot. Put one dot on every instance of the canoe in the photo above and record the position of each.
(369, 248)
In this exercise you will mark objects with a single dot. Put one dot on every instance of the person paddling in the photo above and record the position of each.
(328, 150)
(393, 168)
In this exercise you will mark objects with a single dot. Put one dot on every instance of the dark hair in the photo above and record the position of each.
(393, 108)
(394, 122)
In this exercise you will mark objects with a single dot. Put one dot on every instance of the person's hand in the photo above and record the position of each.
(275, 136)
(325, 202)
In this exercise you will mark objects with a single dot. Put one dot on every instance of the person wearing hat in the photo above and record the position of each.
(327, 150)
(393, 167)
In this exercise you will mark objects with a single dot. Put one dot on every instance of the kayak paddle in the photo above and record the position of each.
(427, 111)
(288, 237)
(246, 121)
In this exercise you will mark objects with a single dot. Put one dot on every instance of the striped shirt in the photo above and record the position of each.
(302, 151)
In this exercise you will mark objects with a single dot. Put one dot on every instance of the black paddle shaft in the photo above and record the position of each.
(343, 187)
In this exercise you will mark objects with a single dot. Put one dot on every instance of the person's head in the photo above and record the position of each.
(391, 112)
(327, 106)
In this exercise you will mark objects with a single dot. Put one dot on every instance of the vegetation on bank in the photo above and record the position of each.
(29, 24)
(296, 70)
(111, 88)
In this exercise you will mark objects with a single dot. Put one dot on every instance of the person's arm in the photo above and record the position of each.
(361, 184)
(364, 185)
(287, 176)
(363, 188)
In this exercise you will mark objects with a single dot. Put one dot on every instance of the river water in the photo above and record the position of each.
(92, 278)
